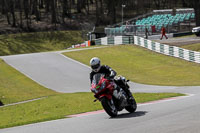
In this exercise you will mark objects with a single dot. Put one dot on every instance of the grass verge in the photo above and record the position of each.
(143, 66)
(38, 42)
(186, 36)
(15, 87)
(193, 47)
(60, 106)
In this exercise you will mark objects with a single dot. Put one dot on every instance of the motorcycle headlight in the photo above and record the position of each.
(103, 85)
(94, 90)
(99, 88)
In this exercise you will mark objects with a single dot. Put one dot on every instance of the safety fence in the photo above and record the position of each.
(173, 51)
(115, 40)
(84, 44)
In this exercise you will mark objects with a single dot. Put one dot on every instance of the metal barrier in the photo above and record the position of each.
(174, 51)
(124, 30)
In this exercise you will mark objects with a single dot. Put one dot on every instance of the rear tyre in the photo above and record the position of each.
(132, 106)
(109, 107)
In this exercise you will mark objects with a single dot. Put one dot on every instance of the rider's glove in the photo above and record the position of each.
(112, 74)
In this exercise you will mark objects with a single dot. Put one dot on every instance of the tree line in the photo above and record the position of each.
(21, 13)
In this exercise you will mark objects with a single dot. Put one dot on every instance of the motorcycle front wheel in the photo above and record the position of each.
(109, 106)
(132, 107)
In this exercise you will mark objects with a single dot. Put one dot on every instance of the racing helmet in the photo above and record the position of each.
(95, 64)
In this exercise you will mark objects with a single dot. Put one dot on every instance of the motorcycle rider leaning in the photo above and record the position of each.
(96, 66)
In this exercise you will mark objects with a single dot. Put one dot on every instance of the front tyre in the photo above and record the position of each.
(109, 106)
(132, 106)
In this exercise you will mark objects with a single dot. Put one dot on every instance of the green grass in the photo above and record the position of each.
(15, 87)
(193, 47)
(143, 66)
(60, 106)
(186, 36)
(38, 42)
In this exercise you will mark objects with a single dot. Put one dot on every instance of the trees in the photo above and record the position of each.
(53, 11)
(160, 4)
(6, 10)
(12, 11)
(196, 5)
(36, 10)
(24, 13)
(64, 10)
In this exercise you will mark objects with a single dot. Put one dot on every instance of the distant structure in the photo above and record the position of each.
(174, 20)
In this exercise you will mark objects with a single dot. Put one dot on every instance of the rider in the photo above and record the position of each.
(96, 66)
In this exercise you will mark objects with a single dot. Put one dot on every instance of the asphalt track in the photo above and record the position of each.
(54, 71)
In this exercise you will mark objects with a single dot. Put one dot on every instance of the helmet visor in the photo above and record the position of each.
(94, 67)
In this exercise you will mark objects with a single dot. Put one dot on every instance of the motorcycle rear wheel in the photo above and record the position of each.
(132, 107)
(109, 107)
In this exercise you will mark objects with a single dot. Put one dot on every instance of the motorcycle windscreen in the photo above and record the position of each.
(96, 78)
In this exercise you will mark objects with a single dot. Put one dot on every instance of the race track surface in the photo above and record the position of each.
(54, 71)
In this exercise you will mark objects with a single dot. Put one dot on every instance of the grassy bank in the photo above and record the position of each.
(193, 47)
(38, 42)
(60, 106)
(15, 87)
(143, 66)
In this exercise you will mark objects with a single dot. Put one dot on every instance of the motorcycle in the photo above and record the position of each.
(112, 99)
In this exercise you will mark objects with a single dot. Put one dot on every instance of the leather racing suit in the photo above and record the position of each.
(109, 72)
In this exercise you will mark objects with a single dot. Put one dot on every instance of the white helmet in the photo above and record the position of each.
(95, 64)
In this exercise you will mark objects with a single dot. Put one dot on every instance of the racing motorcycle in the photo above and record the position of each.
(112, 99)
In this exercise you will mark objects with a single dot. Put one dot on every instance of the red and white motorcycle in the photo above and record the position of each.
(112, 100)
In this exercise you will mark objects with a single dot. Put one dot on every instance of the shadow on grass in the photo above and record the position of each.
(35, 42)
(20, 47)
(130, 115)
(1, 104)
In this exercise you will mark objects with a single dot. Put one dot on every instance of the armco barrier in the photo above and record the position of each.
(115, 40)
(111, 40)
(98, 42)
(174, 51)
